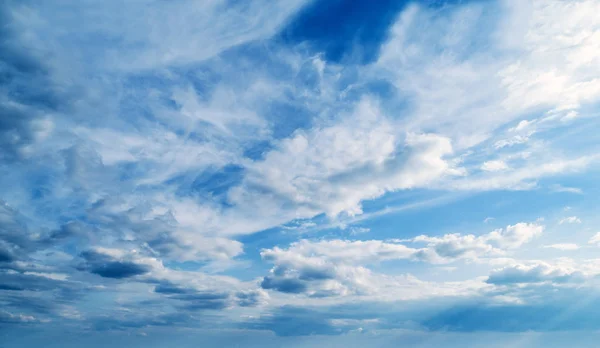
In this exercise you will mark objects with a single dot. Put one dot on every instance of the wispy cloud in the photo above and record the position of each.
(563, 246)
(570, 220)
(560, 188)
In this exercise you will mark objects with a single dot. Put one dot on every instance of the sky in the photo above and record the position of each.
(299, 173)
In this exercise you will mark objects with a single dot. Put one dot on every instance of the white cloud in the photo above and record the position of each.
(547, 75)
(536, 273)
(515, 140)
(353, 252)
(494, 166)
(502, 87)
(570, 220)
(359, 230)
(560, 188)
(522, 178)
(543, 282)
(154, 34)
(447, 247)
(524, 71)
(54, 276)
(563, 246)
(337, 269)
(167, 227)
(595, 239)
(340, 267)
(456, 246)
(332, 168)
(514, 236)
(524, 124)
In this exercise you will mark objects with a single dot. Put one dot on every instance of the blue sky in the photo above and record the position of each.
(299, 173)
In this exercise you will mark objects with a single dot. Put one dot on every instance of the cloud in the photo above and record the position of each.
(190, 290)
(293, 286)
(35, 291)
(536, 273)
(117, 269)
(285, 322)
(513, 236)
(560, 188)
(194, 298)
(340, 267)
(525, 177)
(595, 239)
(515, 140)
(22, 281)
(112, 264)
(16, 237)
(570, 220)
(7, 318)
(203, 300)
(168, 230)
(180, 36)
(494, 166)
(332, 168)
(563, 246)
(469, 246)
(252, 298)
(151, 148)
(342, 250)
(519, 72)
(26, 120)
(558, 295)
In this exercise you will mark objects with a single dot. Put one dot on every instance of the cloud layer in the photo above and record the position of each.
(298, 167)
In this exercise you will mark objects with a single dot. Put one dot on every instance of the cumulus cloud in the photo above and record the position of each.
(537, 273)
(322, 270)
(198, 296)
(343, 250)
(252, 298)
(167, 230)
(513, 236)
(340, 267)
(494, 243)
